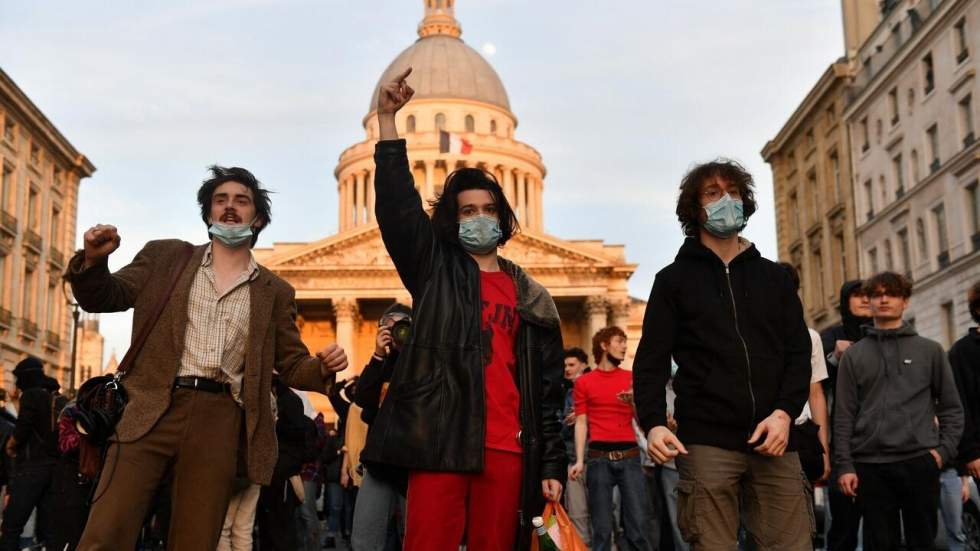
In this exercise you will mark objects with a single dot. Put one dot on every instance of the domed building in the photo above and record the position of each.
(459, 117)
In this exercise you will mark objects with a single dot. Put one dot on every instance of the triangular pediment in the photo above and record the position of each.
(363, 248)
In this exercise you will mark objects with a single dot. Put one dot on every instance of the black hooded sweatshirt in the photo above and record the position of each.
(849, 329)
(964, 357)
(740, 342)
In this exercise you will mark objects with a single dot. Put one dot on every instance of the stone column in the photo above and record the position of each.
(596, 312)
(358, 198)
(346, 311)
(621, 314)
(429, 188)
(508, 184)
(539, 203)
(521, 191)
(342, 204)
(370, 196)
(532, 202)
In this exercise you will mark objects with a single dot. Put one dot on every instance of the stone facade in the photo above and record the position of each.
(91, 348)
(41, 172)
(913, 127)
(811, 175)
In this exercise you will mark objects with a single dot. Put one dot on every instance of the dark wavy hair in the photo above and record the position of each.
(221, 175)
(577, 353)
(890, 283)
(604, 336)
(445, 207)
(689, 207)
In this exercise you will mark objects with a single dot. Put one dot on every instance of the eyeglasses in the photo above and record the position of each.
(714, 193)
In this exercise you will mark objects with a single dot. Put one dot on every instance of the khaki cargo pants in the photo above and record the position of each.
(773, 496)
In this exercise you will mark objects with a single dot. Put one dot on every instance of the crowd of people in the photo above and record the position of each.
(470, 415)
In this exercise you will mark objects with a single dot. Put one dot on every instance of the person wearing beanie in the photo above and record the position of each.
(34, 448)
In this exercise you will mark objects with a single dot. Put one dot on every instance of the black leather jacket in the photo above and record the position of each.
(433, 417)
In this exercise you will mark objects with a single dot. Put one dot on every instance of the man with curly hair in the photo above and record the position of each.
(733, 323)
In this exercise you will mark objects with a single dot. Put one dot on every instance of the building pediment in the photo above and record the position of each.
(363, 249)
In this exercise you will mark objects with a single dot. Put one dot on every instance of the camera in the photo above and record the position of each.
(400, 331)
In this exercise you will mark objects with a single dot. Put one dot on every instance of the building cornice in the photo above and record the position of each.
(28, 114)
(836, 71)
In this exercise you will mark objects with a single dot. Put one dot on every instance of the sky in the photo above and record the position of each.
(620, 97)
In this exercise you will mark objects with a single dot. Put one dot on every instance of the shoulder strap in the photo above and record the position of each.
(130, 357)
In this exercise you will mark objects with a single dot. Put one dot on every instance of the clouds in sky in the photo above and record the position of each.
(619, 97)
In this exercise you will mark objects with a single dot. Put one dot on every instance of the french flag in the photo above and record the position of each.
(453, 143)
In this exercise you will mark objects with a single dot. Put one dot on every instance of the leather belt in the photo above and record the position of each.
(617, 455)
(200, 383)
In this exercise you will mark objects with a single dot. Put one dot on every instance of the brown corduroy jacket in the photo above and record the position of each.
(273, 344)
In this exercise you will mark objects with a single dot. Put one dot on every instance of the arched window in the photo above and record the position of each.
(440, 121)
(493, 127)
(470, 124)
(410, 124)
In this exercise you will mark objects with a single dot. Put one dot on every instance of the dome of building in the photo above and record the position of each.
(443, 66)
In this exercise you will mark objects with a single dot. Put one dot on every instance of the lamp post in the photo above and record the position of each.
(75, 313)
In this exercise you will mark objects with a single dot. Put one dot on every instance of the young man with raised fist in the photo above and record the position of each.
(199, 389)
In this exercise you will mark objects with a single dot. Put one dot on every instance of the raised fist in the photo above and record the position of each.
(101, 240)
(395, 94)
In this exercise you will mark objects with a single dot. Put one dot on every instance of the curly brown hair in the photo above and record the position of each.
(604, 336)
(689, 207)
(888, 283)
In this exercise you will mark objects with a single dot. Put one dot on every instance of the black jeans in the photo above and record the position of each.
(909, 487)
(845, 519)
(29, 489)
(70, 491)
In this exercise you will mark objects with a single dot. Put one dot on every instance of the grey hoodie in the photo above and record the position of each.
(891, 387)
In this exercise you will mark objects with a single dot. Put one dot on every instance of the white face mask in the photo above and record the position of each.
(232, 235)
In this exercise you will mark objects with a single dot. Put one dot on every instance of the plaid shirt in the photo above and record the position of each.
(217, 327)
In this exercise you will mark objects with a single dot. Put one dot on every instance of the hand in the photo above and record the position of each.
(570, 418)
(671, 422)
(344, 477)
(332, 359)
(826, 467)
(848, 484)
(663, 445)
(938, 458)
(11, 448)
(776, 429)
(840, 347)
(100, 241)
(395, 94)
(973, 467)
(383, 342)
(551, 489)
(965, 489)
(576, 471)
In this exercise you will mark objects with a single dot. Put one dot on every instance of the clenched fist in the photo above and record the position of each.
(101, 240)
(332, 360)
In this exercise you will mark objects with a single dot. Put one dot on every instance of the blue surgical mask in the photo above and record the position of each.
(479, 234)
(725, 217)
(232, 235)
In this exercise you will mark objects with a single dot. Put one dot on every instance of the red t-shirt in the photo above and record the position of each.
(610, 419)
(498, 296)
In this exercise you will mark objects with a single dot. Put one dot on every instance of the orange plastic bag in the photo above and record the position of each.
(568, 538)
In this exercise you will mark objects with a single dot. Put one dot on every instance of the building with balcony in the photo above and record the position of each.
(40, 173)
(912, 120)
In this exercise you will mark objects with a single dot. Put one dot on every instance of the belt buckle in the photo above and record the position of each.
(616, 455)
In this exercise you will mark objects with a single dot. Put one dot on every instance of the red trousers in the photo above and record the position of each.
(444, 506)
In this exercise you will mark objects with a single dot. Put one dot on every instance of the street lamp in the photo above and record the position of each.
(75, 313)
